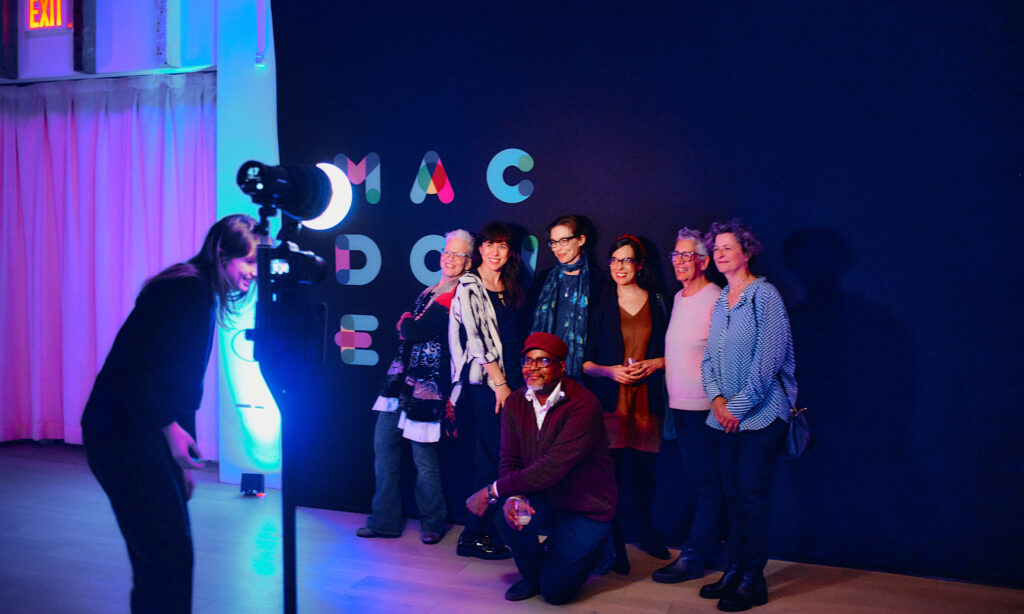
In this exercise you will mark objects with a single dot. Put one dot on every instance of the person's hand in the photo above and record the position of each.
(190, 484)
(511, 509)
(644, 368)
(182, 447)
(728, 421)
(477, 502)
(500, 394)
(621, 374)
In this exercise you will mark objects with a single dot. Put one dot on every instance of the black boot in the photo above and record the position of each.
(688, 566)
(725, 585)
(621, 564)
(753, 590)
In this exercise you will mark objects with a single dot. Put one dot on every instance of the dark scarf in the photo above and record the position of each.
(574, 330)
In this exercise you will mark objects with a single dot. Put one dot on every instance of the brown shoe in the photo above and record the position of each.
(430, 538)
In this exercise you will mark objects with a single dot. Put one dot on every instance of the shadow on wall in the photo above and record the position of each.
(855, 368)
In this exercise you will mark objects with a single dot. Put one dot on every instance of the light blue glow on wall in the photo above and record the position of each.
(250, 423)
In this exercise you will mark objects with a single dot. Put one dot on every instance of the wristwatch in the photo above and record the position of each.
(492, 494)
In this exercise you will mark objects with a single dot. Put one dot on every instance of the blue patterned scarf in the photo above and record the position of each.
(574, 329)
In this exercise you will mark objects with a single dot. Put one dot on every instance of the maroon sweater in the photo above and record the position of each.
(567, 461)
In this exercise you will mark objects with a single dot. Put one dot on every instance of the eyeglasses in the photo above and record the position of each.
(561, 242)
(684, 256)
(540, 363)
(452, 254)
(629, 261)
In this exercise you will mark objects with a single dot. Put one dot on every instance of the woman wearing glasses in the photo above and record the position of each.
(485, 334)
(685, 340)
(412, 404)
(624, 364)
(747, 371)
(564, 303)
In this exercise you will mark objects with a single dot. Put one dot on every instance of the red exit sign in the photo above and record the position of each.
(43, 14)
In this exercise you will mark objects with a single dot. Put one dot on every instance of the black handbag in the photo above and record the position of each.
(799, 434)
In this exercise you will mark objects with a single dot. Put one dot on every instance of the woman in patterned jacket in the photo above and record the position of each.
(486, 333)
(747, 372)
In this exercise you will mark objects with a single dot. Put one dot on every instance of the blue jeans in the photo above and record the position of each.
(698, 447)
(560, 565)
(748, 460)
(386, 516)
(147, 492)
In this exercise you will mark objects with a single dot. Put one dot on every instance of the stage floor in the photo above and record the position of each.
(62, 553)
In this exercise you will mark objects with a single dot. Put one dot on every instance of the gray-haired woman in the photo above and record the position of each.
(412, 404)
(689, 407)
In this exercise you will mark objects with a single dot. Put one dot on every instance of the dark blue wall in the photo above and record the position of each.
(876, 147)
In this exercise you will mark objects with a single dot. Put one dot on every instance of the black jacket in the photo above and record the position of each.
(605, 347)
(153, 375)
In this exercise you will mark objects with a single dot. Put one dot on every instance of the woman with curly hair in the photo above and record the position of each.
(748, 375)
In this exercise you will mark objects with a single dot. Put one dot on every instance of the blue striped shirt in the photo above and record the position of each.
(749, 349)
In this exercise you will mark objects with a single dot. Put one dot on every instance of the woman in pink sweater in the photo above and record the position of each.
(685, 339)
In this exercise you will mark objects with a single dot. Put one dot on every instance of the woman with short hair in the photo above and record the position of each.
(689, 407)
(412, 404)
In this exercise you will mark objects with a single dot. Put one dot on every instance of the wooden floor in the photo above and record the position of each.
(60, 551)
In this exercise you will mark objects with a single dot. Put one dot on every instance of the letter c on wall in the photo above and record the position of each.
(496, 175)
(344, 245)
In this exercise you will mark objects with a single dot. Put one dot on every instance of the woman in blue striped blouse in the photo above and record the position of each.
(747, 372)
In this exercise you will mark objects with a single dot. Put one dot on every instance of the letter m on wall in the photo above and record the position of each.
(365, 171)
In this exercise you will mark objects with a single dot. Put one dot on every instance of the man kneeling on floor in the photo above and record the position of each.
(556, 475)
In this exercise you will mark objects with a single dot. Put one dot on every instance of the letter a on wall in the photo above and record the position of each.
(431, 179)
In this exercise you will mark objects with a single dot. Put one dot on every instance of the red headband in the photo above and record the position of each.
(643, 253)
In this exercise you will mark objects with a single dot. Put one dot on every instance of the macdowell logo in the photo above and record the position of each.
(354, 338)
(367, 169)
(348, 246)
(431, 179)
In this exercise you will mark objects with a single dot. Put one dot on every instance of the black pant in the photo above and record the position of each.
(698, 446)
(748, 460)
(481, 400)
(147, 491)
(634, 475)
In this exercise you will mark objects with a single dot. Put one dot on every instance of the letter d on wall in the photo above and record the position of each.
(344, 245)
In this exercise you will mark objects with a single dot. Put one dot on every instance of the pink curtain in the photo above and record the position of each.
(103, 182)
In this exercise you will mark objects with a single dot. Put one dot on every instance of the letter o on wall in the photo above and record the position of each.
(418, 255)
